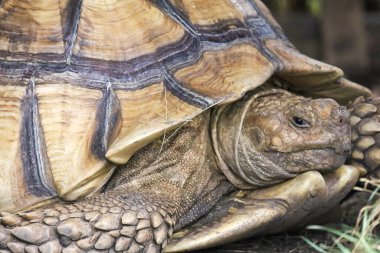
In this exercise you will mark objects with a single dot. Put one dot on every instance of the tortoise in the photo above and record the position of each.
(123, 121)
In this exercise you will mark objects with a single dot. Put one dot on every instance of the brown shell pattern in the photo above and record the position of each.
(86, 82)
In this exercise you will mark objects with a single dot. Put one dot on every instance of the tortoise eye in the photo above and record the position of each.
(299, 122)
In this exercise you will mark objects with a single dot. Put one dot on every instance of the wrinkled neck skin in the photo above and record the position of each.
(180, 168)
(257, 146)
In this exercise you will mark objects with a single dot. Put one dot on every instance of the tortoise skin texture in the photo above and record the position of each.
(85, 86)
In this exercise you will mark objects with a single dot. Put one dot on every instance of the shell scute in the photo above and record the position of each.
(68, 119)
(31, 30)
(108, 32)
(226, 75)
(18, 159)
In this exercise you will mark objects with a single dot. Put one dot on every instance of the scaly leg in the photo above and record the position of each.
(288, 205)
(110, 221)
(365, 122)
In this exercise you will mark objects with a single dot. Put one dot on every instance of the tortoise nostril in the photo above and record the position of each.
(340, 116)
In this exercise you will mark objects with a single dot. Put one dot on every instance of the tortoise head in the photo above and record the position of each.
(274, 135)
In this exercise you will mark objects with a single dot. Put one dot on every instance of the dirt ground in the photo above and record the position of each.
(291, 243)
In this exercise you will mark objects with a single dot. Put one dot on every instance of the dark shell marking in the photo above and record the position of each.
(33, 154)
(136, 71)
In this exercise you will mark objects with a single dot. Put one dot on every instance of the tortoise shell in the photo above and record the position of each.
(85, 84)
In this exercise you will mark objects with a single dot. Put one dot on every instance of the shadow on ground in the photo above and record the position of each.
(291, 243)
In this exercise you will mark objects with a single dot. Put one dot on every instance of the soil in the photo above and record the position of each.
(291, 243)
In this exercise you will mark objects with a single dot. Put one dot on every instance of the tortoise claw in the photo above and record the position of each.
(8, 219)
(266, 211)
(32, 216)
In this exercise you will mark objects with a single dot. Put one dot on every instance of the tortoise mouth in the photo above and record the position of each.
(318, 159)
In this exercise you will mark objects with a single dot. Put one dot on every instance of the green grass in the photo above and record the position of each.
(364, 237)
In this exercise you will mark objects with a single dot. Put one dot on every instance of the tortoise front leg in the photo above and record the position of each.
(365, 122)
(288, 205)
(110, 221)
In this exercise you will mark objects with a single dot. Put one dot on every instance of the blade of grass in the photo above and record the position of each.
(340, 246)
(335, 232)
(314, 245)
